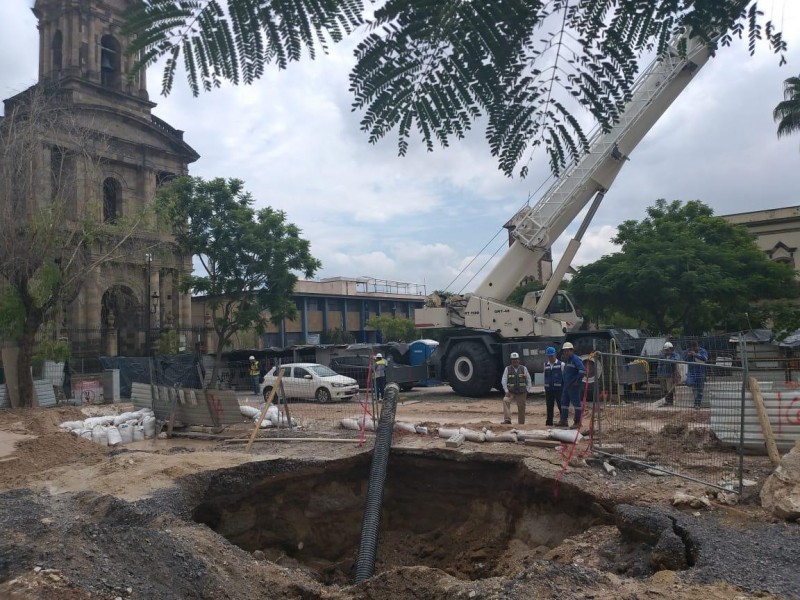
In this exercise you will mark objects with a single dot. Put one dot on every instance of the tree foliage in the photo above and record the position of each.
(47, 247)
(682, 270)
(434, 68)
(248, 258)
(517, 297)
(394, 329)
(787, 112)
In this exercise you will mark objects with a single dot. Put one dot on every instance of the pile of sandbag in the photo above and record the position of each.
(355, 423)
(112, 430)
(273, 418)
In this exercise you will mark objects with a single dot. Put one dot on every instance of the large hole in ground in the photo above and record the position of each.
(458, 515)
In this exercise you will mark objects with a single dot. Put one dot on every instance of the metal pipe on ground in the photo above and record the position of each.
(370, 525)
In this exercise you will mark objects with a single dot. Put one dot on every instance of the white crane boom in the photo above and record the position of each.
(536, 229)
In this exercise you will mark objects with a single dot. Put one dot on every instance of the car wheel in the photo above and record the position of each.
(323, 395)
(267, 392)
(406, 386)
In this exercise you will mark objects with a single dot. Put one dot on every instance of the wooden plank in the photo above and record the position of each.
(542, 443)
(763, 417)
(264, 410)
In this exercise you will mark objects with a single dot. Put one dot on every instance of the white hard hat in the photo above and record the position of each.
(514, 355)
(668, 346)
(252, 358)
(379, 355)
(567, 346)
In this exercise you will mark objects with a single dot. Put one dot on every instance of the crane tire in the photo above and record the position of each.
(471, 369)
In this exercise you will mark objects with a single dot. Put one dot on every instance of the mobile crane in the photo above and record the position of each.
(482, 329)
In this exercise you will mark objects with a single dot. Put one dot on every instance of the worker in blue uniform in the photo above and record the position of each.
(572, 394)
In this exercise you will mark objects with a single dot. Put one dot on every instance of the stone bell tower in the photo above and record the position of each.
(82, 57)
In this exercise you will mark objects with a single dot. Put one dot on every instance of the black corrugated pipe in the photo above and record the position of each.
(370, 525)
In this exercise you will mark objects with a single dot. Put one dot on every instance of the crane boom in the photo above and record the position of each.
(536, 229)
(485, 327)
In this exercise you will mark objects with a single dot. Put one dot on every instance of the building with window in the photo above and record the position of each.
(84, 67)
(326, 306)
(777, 231)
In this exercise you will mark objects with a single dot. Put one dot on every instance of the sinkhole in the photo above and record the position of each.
(460, 515)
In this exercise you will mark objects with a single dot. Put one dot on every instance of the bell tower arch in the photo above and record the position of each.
(82, 40)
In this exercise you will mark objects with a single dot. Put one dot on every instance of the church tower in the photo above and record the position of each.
(82, 57)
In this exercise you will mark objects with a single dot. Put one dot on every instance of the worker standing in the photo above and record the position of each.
(516, 385)
(697, 358)
(379, 372)
(667, 372)
(574, 372)
(255, 371)
(553, 383)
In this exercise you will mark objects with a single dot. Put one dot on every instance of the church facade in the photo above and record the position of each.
(82, 59)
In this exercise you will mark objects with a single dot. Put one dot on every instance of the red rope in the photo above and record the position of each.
(568, 452)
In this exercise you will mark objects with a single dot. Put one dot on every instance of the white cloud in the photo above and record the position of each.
(295, 141)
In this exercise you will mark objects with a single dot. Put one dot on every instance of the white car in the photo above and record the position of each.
(311, 380)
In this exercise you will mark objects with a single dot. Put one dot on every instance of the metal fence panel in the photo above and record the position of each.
(696, 440)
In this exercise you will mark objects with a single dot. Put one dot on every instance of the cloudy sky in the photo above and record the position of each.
(295, 142)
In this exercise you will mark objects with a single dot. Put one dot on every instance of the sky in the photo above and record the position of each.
(423, 218)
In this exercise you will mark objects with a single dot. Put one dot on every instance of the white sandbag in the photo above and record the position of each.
(472, 436)
(149, 424)
(114, 438)
(565, 435)
(100, 435)
(74, 431)
(280, 420)
(72, 425)
(138, 433)
(407, 427)
(86, 434)
(130, 416)
(534, 434)
(249, 411)
(446, 433)
(266, 423)
(92, 422)
(272, 412)
(355, 424)
(126, 433)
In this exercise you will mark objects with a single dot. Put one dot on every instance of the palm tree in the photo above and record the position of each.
(787, 113)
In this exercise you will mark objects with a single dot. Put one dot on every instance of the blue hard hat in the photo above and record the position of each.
(550, 351)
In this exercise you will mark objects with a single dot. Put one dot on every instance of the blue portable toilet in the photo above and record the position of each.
(420, 351)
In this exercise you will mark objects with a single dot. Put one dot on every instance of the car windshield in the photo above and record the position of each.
(322, 370)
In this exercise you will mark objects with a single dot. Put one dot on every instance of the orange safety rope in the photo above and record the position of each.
(365, 404)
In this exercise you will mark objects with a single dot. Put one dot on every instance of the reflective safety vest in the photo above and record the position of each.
(380, 368)
(553, 374)
(516, 380)
(254, 369)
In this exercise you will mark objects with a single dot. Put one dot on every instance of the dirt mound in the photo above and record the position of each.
(48, 451)
(38, 421)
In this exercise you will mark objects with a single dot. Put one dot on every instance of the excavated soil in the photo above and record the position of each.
(174, 519)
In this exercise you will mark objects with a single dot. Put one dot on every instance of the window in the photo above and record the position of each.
(57, 168)
(300, 372)
(112, 200)
(58, 50)
(287, 371)
(110, 61)
(164, 177)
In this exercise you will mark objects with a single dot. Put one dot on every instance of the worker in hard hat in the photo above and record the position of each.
(553, 383)
(255, 371)
(572, 394)
(516, 384)
(667, 372)
(379, 375)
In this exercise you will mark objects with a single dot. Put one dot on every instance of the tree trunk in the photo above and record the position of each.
(26, 397)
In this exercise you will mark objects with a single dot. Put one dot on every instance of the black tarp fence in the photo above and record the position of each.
(179, 370)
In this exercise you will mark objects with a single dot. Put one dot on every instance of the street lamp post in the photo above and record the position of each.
(149, 259)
